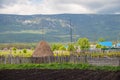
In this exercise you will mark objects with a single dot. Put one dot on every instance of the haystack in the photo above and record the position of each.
(42, 49)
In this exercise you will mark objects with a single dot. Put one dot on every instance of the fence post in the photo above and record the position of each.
(85, 58)
(5, 60)
(119, 62)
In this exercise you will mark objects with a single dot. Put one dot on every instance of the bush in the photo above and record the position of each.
(100, 46)
(62, 48)
(14, 49)
(56, 46)
(71, 47)
(83, 43)
(24, 51)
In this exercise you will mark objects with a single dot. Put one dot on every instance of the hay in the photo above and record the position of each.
(42, 50)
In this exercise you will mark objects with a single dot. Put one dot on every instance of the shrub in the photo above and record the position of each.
(83, 43)
(24, 51)
(14, 49)
(62, 48)
(71, 47)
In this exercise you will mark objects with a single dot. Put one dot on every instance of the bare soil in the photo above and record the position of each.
(63, 74)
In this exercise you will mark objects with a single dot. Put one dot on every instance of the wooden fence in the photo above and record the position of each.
(62, 59)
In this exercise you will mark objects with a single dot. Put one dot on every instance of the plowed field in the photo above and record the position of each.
(64, 74)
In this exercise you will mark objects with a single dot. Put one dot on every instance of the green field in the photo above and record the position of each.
(59, 66)
(29, 52)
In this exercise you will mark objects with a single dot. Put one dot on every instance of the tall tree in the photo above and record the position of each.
(83, 43)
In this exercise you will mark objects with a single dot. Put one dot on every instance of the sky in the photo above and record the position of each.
(29, 7)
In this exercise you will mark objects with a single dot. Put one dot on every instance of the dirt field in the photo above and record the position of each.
(43, 74)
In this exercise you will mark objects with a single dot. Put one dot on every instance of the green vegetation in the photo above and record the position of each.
(110, 54)
(17, 52)
(59, 66)
(28, 53)
(59, 49)
(15, 28)
(71, 47)
(101, 40)
(100, 46)
(56, 46)
(62, 48)
(24, 50)
(84, 43)
(61, 53)
(17, 45)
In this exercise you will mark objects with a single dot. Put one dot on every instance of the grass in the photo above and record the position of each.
(109, 54)
(61, 53)
(59, 66)
(20, 53)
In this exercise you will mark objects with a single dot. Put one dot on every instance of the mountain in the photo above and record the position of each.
(57, 28)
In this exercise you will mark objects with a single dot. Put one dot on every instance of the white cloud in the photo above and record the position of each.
(27, 7)
(117, 13)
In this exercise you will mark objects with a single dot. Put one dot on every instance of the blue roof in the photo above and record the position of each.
(107, 43)
(118, 44)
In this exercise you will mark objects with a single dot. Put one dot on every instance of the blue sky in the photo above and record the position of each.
(28, 7)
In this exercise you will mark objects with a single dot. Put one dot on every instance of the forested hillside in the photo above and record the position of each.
(56, 28)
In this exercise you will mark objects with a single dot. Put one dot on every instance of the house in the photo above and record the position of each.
(118, 45)
(106, 44)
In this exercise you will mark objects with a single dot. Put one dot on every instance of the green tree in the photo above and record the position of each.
(100, 46)
(20, 52)
(56, 46)
(71, 47)
(14, 49)
(83, 43)
(101, 40)
(24, 50)
(62, 48)
(53, 47)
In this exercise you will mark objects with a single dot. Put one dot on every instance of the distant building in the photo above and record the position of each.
(118, 45)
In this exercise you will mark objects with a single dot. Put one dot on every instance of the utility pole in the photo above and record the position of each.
(42, 32)
(70, 30)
